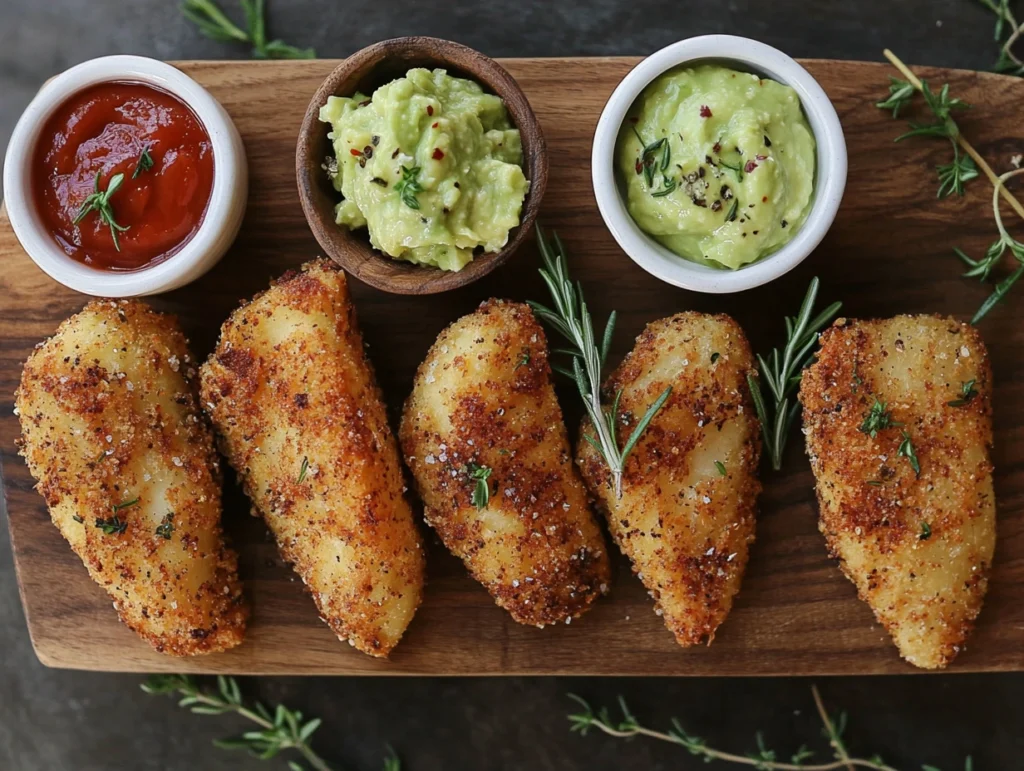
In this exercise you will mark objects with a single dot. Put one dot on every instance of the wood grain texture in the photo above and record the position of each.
(888, 253)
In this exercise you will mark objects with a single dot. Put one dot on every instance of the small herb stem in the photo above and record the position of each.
(967, 146)
(833, 736)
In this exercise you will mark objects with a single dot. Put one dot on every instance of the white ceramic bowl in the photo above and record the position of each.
(742, 54)
(223, 213)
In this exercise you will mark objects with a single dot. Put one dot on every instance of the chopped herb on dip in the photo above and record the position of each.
(741, 178)
(430, 165)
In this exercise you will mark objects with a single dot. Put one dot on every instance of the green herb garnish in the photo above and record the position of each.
(967, 394)
(714, 356)
(166, 526)
(113, 525)
(877, 419)
(738, 169)
(408, 186)
(906, 450)
(571, 319)
(782, 373)
(731, 214)
(145, 162)
(482, 489)
(78, 519)
(302, 471)
(524, 358)
(99, 202)
(118, 506)
(926, 531)
(212, 22)
(721, 468)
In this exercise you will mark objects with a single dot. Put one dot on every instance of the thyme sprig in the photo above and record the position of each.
(279, 730)
(99, 201)
(965, 167)
(571, 319)
(144, 163)
(782, 373)
(764, 759)
(1007, 33)
(213, 23)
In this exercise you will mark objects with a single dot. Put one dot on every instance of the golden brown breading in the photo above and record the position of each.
(918, 547)
(483, 400)
(690, 487)
(295, 403)
(125, 461)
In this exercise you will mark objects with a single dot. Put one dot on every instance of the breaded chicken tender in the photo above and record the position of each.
(296, 406)
(125, 460)
(898, 419)
(484, 437)
(689, 490)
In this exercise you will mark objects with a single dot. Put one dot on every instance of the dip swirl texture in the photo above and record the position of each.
(430, 164)
(717, 165)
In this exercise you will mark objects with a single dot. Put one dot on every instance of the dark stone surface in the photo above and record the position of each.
(68, 721)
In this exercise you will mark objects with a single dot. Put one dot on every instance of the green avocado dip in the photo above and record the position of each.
(718, 165)
(430, 165)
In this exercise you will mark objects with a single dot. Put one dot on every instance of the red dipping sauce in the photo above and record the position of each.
(117, 128)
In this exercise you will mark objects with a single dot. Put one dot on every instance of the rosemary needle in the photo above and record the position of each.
(571, 319)
(782, 372)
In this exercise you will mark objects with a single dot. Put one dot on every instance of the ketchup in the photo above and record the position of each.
(164, 154)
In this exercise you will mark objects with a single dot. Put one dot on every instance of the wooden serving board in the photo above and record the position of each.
(889, 252)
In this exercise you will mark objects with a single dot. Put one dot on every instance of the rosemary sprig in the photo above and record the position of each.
(280, 730)
(212, 22)
(782, 373)
(408, 186)
(99, 202)
(482, 489)
(571, 319)
(764, 759)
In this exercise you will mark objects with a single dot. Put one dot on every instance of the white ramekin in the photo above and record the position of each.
(743, 54)
(223, 213)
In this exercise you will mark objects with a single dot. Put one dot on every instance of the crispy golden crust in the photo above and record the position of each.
(685, 526)
(918, 548)
(483, 396)
(108, 417)
(295, 403)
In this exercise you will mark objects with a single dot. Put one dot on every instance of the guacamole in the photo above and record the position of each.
(717, 165)
(430, 165)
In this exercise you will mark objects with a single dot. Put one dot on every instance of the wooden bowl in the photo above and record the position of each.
(365, 71)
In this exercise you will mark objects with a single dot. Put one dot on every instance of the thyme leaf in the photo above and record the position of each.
(145, 162)
(877, 419)
(99, 201)
(408, 186)
(967, 394)
(906, 450)
(166, 526)
(482, 489)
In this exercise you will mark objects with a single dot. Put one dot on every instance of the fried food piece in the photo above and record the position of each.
(884, 399)
(484, 437)
(125, 460)
(690, 487)
(300, 418)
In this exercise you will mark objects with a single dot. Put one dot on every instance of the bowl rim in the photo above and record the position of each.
(355, 254)
(830, 175)
(224, 211)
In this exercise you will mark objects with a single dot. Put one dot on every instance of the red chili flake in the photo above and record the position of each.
(430, 109)
(639, 167)
(438, 154)
(761, 157)
(764, 199)
(718, 147)
(705, 111)
(433, 125)
(355, 152)
(750, 167)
